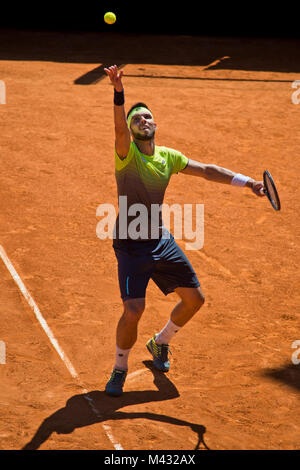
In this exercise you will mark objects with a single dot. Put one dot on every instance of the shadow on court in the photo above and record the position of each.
(105, 48)
(79, 413)
(288, 374)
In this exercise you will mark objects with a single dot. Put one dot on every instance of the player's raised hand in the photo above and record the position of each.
(115, 77)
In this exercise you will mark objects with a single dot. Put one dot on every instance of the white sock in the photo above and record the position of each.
(167, 333)
(121, 358)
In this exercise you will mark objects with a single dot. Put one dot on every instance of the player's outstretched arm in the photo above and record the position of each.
(122, 132)
(223, 175)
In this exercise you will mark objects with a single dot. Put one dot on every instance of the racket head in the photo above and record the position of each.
(271, 191)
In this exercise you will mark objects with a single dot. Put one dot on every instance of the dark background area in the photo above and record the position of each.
(264, 19)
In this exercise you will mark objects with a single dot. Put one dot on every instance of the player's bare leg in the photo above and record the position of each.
(128, 323)
(125, 338)
(191, 301)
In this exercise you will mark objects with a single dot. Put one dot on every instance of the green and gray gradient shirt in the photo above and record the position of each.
(143, 179)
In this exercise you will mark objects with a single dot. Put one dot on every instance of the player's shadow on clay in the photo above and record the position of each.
(80, 411)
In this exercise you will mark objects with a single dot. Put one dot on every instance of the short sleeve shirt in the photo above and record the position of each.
(143, 180)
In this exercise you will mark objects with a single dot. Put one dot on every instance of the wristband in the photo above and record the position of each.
(239, 180)
(119, 97)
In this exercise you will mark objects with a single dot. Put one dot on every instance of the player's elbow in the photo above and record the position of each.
(210, 171)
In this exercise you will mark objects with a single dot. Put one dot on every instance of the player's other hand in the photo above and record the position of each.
(115, 77)
(258, 188)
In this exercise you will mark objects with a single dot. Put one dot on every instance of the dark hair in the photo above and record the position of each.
(137, 105)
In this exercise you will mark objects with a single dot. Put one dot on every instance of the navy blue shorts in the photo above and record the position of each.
(161, 260)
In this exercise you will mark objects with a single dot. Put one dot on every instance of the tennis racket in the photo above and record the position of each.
(271, 191)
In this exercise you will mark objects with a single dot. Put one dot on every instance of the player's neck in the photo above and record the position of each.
(147, 147)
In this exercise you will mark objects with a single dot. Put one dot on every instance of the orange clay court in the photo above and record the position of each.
(232, 382)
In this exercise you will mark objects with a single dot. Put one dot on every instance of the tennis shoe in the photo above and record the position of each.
(160, 354)
(114, 386)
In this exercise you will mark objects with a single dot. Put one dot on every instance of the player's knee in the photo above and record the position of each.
(196, 300)
(199, 301)
(133, 309)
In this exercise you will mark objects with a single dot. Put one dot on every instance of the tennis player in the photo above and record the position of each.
(143, 171)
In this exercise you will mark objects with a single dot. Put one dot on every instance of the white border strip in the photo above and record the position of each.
(54, 342)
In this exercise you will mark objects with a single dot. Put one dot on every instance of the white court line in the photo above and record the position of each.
(54, 342)
(137, 372)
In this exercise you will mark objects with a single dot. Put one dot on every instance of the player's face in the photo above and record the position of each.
(143, 126)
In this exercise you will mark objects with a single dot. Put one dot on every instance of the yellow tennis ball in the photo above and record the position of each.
(110, 18)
